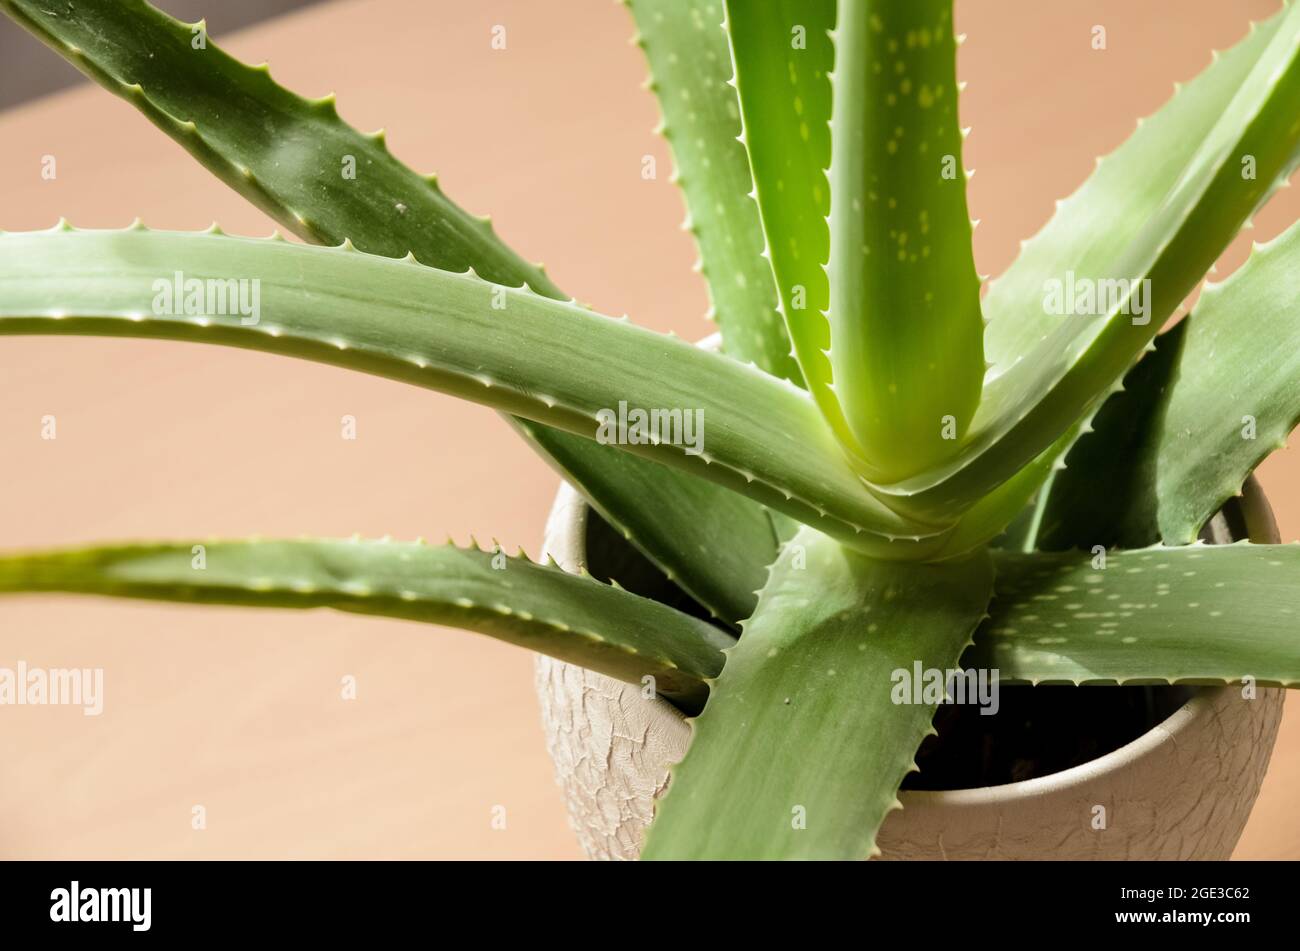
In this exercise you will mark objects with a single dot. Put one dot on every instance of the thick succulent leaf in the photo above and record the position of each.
(1193, 208)
(1025, 496)
(690, 70)
(1022, 531)
(907, 351)
(506, 348)
(1220, 392)
(802, 746)
(1009, 502)
(678, 533)
(720, 530)
(1028, 526)
(1106, 494)
(783, 55)
(1111, 209)
(289, 155)
(541, 607)
(1195, 614)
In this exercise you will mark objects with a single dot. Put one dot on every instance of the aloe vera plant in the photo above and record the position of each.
(884, 466)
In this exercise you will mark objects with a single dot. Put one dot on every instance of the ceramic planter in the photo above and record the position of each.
(1183, 790)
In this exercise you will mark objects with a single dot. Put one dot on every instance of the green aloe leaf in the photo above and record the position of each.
(540, 607)
(1220, 392)
(690, 69)
(1216, 153)
(322, 179)
(507, 348)
(292, 157)
(907, 352)
(1032, 487)
(783, 56)
(1112, 207)
(720, 529)
(805, 739)
(1195, 614)
(1008, 506)
(1099, 498)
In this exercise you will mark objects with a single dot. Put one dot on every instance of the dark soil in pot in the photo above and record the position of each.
(1037, 731)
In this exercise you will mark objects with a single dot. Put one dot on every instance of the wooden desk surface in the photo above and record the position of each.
(240, 711)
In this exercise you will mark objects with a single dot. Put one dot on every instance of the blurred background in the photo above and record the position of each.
(27, 70)
(240, 712)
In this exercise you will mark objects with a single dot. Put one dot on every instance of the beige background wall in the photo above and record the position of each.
(240, 711)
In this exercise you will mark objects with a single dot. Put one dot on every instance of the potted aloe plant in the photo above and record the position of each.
(886, 487)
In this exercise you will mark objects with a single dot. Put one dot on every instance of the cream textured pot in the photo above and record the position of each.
(1183, 790)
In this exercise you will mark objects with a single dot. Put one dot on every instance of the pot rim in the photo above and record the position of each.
(566, 542)
(1262, 528)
